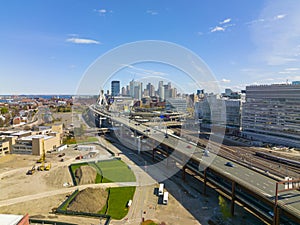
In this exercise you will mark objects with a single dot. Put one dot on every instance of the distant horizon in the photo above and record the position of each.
(96, 94)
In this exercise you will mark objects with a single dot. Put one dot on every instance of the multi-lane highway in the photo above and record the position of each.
(257, 183)
(246, 155)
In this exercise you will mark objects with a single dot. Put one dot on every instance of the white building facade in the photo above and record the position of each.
(271, 113)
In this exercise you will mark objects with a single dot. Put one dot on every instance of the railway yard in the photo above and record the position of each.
(279, 163)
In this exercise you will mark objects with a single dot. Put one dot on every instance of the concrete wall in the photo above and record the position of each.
(12, 141)
(4, 148)
(37, 146)
(49, 144)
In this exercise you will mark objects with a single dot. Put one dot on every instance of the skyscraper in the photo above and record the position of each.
(136, 89)
(150, 88)
(161, 90)
(115, 88)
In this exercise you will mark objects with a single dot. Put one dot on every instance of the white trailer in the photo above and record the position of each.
(161, 189)
(165, 198)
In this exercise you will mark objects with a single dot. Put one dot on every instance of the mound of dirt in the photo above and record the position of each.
(89, 200)
(85, 175)
(58, 176)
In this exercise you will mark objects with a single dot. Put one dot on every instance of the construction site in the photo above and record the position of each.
(39, 185)
(91, 177)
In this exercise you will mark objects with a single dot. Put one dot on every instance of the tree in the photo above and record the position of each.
(4, 110)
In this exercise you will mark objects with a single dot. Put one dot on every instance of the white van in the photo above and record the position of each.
(165, 198)
(161, 189)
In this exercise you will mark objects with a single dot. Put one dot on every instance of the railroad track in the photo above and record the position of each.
(245, 155)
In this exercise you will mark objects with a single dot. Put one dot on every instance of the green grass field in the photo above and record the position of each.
(117, 203)
(115, 171)
(109, 171)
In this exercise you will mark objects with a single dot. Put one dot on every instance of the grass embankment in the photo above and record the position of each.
(117, 201)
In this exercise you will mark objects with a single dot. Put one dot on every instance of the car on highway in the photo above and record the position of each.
(229, 164)
(61, 155)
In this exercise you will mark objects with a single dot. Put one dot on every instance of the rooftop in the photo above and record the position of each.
(29, 138)
(7, 219)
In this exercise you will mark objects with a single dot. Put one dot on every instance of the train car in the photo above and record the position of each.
(278, 159)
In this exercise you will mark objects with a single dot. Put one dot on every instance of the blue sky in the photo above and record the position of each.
(47, 45)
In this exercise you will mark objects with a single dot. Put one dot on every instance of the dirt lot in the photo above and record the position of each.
(85, 175)
(15, 183)
(58, 177)
(89, 200)
(42, 209)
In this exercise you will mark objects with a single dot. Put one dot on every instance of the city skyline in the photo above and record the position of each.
(242, 43)
(139, 89)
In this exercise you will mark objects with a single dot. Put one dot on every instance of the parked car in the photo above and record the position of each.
(229, 164)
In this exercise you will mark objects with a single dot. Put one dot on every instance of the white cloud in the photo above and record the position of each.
(279, 17)
(217, 28)
(292, 69)
(276, 41)
(226, 21)
(228, 25)
(152, 12)
(225, 80)
(103, 12)
(145, 71)
(82, 41)
(223, 25)
(255, 21)
(284, 72)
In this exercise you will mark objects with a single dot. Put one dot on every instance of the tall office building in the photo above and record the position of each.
(115, 88)
(150, 89)
(136, 89)
(123, 91)
(161, 90)
(271, 113)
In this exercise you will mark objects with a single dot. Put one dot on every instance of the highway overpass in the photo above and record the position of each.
(246, 185)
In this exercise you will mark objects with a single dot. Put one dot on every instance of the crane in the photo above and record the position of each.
(42, 160)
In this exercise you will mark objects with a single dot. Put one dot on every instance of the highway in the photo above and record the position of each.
(246, 155)
(258, 183)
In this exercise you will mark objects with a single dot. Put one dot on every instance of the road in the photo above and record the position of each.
(62, 191)
(257, 182)
(144, 200)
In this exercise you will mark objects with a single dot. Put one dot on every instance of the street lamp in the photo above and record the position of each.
(139, 144)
